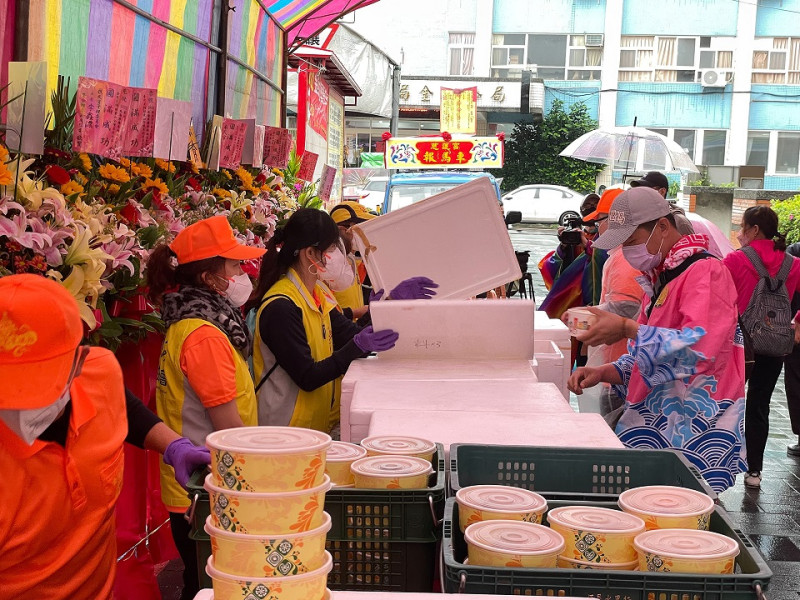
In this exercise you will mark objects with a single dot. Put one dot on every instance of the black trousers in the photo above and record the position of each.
(791, 376)
(187, 548)
(763, 378)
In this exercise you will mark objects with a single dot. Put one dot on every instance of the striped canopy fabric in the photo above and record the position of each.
(124, 42)
(305, 18)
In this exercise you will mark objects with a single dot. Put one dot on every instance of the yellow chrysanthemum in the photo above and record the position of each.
(165, 166)
(227, 174)
(220, 193)
(4, 156)
(141, 170)
(113, 188)
(193, 166)
(112, 173)
(71, 187)
(80, 179)
(125, 162)
(86, 162)
(155, 184)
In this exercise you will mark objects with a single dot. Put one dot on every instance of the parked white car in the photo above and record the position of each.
(375, 191)
(543, 203)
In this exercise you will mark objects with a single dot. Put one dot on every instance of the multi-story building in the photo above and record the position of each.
(720, 77)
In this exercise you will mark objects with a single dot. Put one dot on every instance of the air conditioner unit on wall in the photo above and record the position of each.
(713, 78)
(594, 40)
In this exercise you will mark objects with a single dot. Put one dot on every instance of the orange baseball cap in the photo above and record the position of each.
(209, 238)
(606, 200)
(40, 330)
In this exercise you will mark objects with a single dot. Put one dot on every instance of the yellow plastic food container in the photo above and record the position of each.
(268, 512)
(686, 551)
(668, 507)
(570, 563)
(478, 503)
(306, 586)
(595, 534)
(268, 459)
(399, 445)
(268, 555)
(391, 472)
(512, 544)
(340, 456)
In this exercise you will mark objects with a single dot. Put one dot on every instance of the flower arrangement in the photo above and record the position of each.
(91, 223)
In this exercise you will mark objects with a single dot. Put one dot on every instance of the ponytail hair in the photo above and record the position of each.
(164, 273)
(305, 228)
(767, 221)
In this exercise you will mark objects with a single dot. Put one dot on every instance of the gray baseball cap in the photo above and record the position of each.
(630, 209)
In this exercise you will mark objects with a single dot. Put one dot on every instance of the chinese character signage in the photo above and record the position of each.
(326, 181)
(317, 103)
(99, 115)
(234, 133)
(139, 135)
(307, 165)
(277, 147)
(459, 110)
(426, 153)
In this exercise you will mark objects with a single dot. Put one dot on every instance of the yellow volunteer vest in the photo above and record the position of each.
(319, 408)
(180, 408)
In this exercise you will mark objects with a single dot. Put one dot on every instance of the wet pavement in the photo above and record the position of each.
(770, 516)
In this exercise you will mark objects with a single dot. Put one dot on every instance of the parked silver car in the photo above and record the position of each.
(542, 203)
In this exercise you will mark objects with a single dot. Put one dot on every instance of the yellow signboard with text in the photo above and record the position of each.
(459, 110)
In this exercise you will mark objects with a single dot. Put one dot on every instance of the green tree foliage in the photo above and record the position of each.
(788, 218)
(531, 155)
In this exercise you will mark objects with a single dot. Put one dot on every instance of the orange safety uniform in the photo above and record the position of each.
(57, 530)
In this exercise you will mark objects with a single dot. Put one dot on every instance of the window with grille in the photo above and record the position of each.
(777, 61)
(461, 49)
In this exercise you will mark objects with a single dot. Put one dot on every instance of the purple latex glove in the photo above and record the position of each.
(416, 288)
(183, 456)
(375, 341)
(376, 296)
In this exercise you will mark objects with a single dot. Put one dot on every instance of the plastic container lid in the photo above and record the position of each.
(686, 543)
(391, 466)
(269, 440)
(514, 537)
(593, 518)
(665, 501)
(398, 445)
(345, 452)
(501, 498)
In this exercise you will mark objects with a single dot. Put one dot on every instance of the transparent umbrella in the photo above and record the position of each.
(630, 148)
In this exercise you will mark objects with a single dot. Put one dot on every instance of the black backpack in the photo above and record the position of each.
(767, 320)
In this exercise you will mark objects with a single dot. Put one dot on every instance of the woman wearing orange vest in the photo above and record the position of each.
(203, 380)
(303, 345)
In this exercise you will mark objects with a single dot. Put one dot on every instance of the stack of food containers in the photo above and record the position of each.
(267, 525)
(394, 462)
(340, 456)
(677, 537)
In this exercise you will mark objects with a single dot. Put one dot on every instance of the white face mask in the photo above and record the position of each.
(239, 289)
(338, 274)
(30, 424)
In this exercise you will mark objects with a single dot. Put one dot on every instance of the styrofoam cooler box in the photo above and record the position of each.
(463, 329)
(545, 328)
(550, 362)
(508, 429)
(457, 238)
(470, 396)
(381, 369)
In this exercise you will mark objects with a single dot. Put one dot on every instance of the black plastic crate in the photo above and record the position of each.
(580, 474)
(203, 545)
(382, 566)
(752, 573)
(389, 515)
